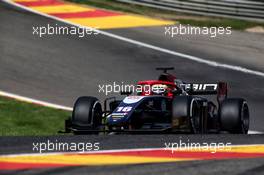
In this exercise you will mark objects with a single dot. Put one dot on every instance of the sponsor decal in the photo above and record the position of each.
(132, 99)
(200, 87)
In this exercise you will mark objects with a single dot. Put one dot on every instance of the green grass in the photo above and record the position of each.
(170, 15)
(25, 119)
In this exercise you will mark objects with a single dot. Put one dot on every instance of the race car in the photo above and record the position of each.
(165, 105)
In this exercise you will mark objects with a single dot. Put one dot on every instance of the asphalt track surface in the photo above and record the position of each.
(58, 69)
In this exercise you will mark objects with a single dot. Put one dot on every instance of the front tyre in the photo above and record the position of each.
(234, 116)
(87, 113)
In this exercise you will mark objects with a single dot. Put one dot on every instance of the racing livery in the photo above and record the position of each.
(166, 105)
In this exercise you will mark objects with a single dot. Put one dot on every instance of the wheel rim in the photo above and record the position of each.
(245, 118)
(195, 120)
(96, 114)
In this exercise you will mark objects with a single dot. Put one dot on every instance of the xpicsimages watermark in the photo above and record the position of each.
(213, 147)
(213, 32)
(51, 146)
(81, 32)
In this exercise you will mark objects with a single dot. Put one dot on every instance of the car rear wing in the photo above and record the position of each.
(206, 88)
(220, 89)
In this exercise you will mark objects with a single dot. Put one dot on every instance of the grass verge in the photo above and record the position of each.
(170, 15)
(25, 119)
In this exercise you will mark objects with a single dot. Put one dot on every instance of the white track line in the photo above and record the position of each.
(255, 132)
(84, 152)
(189, 57)
(31, 100)
(193, 58)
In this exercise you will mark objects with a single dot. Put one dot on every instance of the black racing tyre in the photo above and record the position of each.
(87, 113)
(187, 107)
(234, 116)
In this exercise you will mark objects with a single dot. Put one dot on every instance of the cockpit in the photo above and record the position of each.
(155, 87)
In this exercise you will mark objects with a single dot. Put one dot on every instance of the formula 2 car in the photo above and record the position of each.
(166, 105)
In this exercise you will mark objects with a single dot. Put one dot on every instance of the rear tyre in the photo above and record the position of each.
(185, 111)
(87, 113)
(234, 116)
